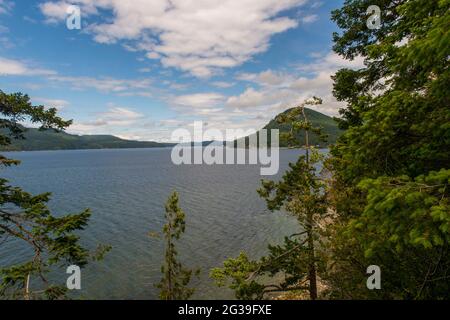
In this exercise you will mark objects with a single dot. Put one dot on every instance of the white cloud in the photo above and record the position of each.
(119, 86)
(249, 98)
(56, 11)
(6, 6)
(268, 77)
(145, 70)
(223, 84)
(176, 86)
(118, 115)
(12, 67)
(316, 4)
(199, 100)
(9, 67)
(280, 90)
(109, 121)
(200, 37)
(270, 93)
(5, 41)
(331, 63)
(153, 55)
(310, 18)
(52, 103)
(126, 87)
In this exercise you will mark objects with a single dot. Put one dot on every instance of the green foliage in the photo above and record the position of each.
(15, 108)
(176, 278)
(241, 272)
(325, 131)
(50, 140)
(52, 239)
(390, 167)
(284, 269)
(405, 212)
(329, 129)
(301, 192)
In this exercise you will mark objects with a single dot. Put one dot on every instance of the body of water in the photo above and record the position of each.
(126, 191)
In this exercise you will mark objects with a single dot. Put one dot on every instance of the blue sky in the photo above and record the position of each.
(140, 69)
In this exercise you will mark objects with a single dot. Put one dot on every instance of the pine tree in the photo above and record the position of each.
(176, 278)
(301, 192)
(52, 239)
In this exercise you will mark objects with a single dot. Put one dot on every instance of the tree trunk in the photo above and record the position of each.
(306, 135)
(312, 262)
(310, 231)
(27, 288)
(169, 264)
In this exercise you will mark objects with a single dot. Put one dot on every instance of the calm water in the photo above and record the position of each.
(126, 191)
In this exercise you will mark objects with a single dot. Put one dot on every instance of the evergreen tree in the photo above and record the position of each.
(176, 278)
(52, 239)
(301, 192)
(391, 168)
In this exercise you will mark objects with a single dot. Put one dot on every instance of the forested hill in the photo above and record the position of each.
(51, 140)
(329, 125)
(318, 119)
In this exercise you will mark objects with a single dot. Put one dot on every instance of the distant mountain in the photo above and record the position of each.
(328, 124)
(51, 140)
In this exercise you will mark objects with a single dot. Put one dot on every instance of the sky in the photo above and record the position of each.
(144, 68)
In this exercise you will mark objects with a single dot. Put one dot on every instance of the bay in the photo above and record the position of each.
(126, 191)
